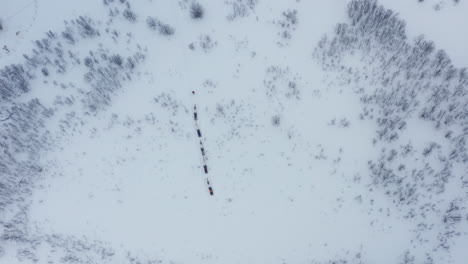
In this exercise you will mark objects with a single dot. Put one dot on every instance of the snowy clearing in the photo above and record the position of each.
(331, 131)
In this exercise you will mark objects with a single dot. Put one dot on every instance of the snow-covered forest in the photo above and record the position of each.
(235, 131)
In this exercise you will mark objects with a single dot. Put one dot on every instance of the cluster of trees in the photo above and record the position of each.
(207, 43)
(53, 54)
(115, 10)
(287, 25)
(14, 81)
(156, 25)
(22, 140)
(85, 27)
(24, 135)
(343, 122)
(407, 82)
(105, 72)
(68, 249)
(235, 117)
(168, 102)
(280, 81)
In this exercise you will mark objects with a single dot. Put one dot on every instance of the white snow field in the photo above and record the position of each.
(334, 132)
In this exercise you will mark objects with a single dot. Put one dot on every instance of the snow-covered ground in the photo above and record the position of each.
(334, 131)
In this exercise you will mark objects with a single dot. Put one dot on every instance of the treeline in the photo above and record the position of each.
(406, 81)
(24, 124)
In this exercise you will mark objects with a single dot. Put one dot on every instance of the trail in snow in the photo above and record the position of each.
(20, 10)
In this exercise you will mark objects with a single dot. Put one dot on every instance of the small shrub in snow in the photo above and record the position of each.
(166, 29)
(407, 258)
(69, 35)
(130, 63)
(292, 90)
(344, 122)
(241, 8)
(88, 62)
(453, 215)
(196, 11)
(275, 120)
(152, 23)
(51, 35)
(129, 15)
(86, 27)
(290, 18)
(238, 11)
(206, 43)
(116, 59)
(45, 72)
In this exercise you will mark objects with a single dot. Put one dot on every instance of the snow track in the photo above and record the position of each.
(17, 24)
